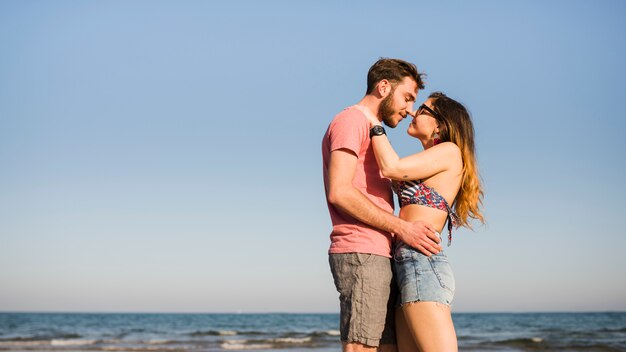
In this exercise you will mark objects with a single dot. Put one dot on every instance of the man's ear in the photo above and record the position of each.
(383, 88)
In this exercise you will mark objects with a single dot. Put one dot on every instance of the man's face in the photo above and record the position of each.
(398, 102)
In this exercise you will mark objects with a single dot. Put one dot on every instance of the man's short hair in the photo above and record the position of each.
(393, 70)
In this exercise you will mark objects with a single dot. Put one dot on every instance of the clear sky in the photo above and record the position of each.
(165, 156)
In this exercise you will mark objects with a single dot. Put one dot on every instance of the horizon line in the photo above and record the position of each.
(293, 313)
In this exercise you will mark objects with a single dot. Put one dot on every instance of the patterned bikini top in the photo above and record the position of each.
(416, 192)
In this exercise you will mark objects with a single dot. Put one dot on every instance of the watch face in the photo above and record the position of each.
(377, 131)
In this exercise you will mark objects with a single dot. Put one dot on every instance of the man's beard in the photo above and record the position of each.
(386, 110)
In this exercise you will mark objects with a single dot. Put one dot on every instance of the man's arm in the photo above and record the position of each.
(343, 195)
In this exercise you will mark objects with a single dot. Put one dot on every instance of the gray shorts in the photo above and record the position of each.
(367, 295)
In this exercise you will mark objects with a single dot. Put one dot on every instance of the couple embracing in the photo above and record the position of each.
(394, 280)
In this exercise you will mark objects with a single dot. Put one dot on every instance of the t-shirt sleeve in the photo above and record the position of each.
(349, 131)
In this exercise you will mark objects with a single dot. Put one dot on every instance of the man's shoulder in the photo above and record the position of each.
(348, 130)
(350, 111)
(350, 115)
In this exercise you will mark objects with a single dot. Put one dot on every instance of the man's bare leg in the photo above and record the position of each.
(388, 348)
(357, 347)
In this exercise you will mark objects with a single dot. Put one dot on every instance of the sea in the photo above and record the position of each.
(294, 332)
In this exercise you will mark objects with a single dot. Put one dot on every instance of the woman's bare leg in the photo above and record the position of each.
(430, 325)
(403, 334)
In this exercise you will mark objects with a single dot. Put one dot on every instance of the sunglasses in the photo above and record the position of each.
(423, 108)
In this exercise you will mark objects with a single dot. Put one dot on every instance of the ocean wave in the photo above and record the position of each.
(333, 332)
(244, 345)
(220, 333)
(529, 342)
(114, 341)
(58, 342)
(53, 342)
(612, 330)
(273, 343)
(125, 333)
(138, 348)
(326, 333)
(17, 343)
(288, 340)
(294, 334)
(66, 336)
(145, 342)
(158, 342)
(42, 337)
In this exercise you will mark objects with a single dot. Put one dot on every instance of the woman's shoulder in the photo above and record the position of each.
(448, 148)
(451, 155)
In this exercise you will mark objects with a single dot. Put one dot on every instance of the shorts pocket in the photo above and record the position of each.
(442, 269)
(363, 258)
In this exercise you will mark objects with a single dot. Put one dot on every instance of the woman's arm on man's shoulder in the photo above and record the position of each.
(429, 162)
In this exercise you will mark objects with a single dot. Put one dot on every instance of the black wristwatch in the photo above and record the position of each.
(377, 130)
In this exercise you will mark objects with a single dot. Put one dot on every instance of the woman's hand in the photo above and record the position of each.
(373, 120)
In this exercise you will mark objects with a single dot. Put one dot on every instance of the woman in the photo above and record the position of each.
(427, 183)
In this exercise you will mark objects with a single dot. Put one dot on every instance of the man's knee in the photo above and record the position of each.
(358, 347)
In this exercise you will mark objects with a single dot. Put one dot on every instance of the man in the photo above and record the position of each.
(360, 203)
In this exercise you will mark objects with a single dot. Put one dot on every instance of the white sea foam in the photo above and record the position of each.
(24, 343)
(235, 341)
(114, 341)
(333, 332)
(72, 342)
(117, 348)
(292, 340)
(536, 339)
(140, 348)
(227, 332)
(157, 342)
(241, 345)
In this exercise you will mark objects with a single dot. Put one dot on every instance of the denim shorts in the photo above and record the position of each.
(420, 278)
(367, 295)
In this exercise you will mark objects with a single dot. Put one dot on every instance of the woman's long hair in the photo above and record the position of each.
(455, 125)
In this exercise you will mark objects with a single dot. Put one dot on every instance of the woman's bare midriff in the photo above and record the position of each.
(416, 212)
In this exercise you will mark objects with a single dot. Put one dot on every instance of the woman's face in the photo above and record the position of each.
(424, 124)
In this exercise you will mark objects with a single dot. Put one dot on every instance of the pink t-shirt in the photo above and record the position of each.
(350, 130)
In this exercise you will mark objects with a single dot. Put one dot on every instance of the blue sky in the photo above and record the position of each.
(165, 156)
